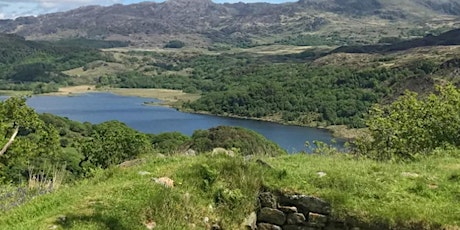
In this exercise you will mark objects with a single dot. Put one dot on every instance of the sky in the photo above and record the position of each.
(10, 9)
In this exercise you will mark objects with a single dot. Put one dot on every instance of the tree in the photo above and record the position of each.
(26, 142)
(112, 143)
(411, 126)
(15, 115)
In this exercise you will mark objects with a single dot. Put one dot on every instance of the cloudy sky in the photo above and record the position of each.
(17, 8)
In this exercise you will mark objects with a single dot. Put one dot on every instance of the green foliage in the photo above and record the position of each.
(36, 147)
(411, 126)
(176, 44)
(360, 190)
(246, 141)
(169, 143)
(112, 143)
(24, 63)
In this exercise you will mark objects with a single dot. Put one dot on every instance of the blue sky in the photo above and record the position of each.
(17, 8)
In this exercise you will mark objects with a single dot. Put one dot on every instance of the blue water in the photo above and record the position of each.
(100, 107)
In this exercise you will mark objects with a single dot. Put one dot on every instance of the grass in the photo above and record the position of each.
(14, 93)
(167, 96)
(424, 194)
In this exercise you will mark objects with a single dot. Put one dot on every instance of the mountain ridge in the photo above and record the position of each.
(203, 22)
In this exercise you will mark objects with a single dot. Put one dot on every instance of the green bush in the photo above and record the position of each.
(176, 44)
(411, 126)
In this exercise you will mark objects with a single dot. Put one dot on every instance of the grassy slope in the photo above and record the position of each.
(371, 191)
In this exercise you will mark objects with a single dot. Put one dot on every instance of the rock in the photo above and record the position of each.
(131, 163)
(264, 164)
(336, 226)
(216, 227)
(321, 174)
(271, 216)
(298, 227)
(250, 223)
(150, 224)
(266, 226)
(306, 204)
(295, 218)
(288, 209)
(216, 151)
(316, 220)
(410, 175)
(267, 199)
(190, 152)
(143, 173)
(165, 181)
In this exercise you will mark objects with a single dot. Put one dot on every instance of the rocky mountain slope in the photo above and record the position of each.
(202, 22)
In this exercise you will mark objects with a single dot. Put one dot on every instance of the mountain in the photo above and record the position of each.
(202, 22)
(451, 37)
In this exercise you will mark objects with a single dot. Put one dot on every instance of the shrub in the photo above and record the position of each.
(411, 126)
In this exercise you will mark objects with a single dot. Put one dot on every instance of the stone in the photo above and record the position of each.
(250, 223)
(165, 181)
(190, 152)
(306, 204)
(298, 227)
(215, 227)
(295, 218)
(143, 173)
(321, 174)
(131, 163)
(288, 209)
(267, 199)
(336, 226)
(223, 151)
(271, 216)
(316, 220)
(150, 224)
(410, 174)
(267, 226)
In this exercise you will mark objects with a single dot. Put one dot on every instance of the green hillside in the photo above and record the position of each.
(221, 189)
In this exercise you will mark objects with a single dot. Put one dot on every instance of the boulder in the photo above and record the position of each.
(317, 220)
(250, 223)
(295, 218)
(271, 216)
(306, 204)
(298, 227)
(266, 226)
(267, 199)
(288, 209)
(165, 181)
(217, 151)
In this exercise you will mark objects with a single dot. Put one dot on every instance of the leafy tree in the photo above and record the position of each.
(26, 143)
(246, 141)
(411, 126)
(112, 143)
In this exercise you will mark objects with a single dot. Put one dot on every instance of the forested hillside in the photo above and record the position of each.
(38, 66)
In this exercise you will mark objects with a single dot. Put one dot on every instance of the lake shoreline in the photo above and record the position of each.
(174, 98)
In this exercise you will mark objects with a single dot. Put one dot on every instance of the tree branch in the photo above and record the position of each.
(8, 144)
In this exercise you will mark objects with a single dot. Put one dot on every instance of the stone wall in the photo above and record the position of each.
(291, 212)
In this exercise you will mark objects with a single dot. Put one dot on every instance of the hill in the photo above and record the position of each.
(202, 22)
(222, 191)
(448, 38)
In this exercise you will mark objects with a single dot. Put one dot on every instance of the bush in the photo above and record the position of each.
(176, 44)
(411, 126)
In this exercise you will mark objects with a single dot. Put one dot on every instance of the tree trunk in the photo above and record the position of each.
(8, 144)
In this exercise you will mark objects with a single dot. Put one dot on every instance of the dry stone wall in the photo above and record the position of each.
(291, 212)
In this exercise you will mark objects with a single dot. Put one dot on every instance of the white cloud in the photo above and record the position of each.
(17, 8)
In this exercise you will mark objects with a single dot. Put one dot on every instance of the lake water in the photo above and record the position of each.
(100, 107)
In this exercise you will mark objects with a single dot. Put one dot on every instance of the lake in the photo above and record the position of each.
(100, 107)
